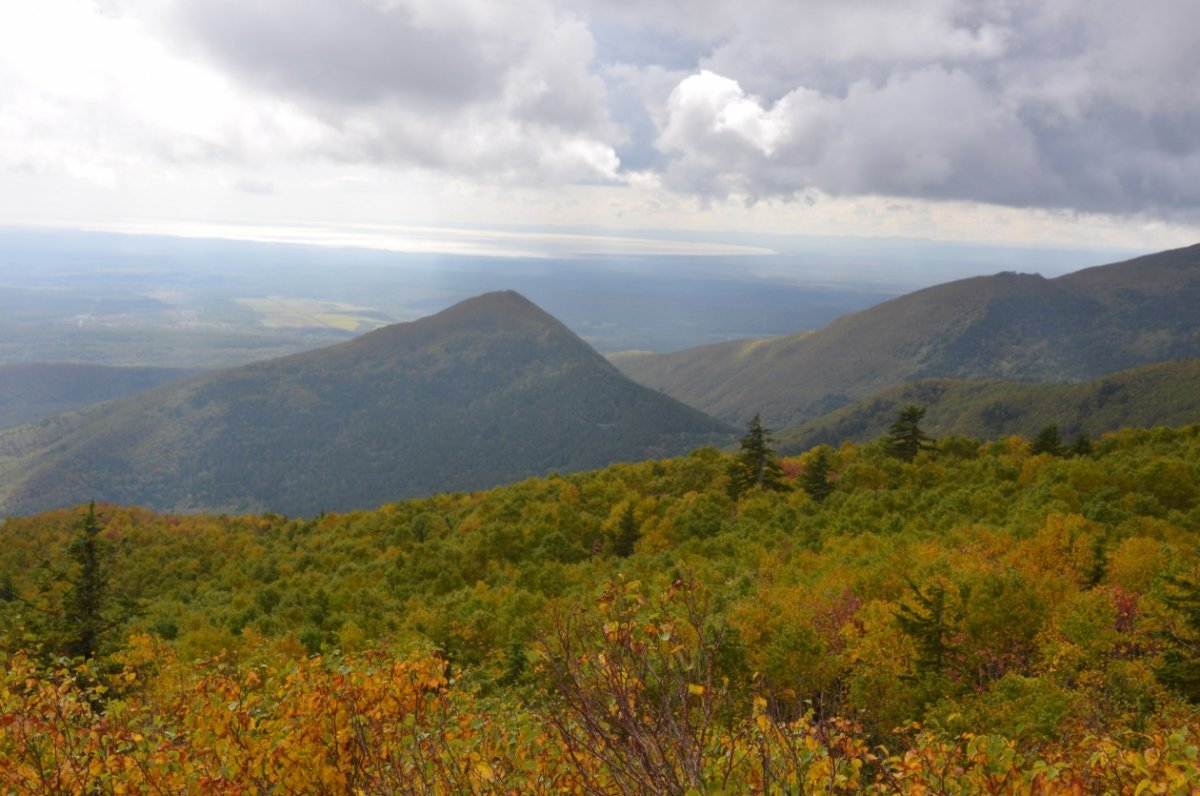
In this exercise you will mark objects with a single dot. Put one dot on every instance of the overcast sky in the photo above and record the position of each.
(1065, 122)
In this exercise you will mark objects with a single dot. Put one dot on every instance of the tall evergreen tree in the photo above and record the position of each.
(628, 532)
(1180, 667)
(930, 626)
(1047, 441)
(1082, 446)
(87, 594)
(77, 609)
(905, 438)
(815, 479)
(756, 464)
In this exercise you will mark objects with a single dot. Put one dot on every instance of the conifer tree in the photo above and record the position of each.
(929, 625)
(77, 607)
(628, 533)
(1082, 446)
(1180, 667)
(756, 464)
(1047, 441)
(905, 438)
(815, 479)
(87, 594)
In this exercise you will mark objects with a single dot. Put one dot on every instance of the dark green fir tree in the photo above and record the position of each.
(905, 438)
(1082, 446)
(77, 609)
(815, 479)
(628, 532)
(84, 603)
(930, 625)
(756, 465)
(1180, 668)
(1047, 441)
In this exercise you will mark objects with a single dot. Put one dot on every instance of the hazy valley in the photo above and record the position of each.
(494, 390)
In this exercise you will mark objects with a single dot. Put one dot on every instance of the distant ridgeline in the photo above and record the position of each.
(495, 390)
(1016, 327)
(35, 391)
(1167, 394)
(489, 391)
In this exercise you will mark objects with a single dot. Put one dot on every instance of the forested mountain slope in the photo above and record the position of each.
(1007, 326)
(1167, 393)
(621, 630)
(38, 390)
(488, 391)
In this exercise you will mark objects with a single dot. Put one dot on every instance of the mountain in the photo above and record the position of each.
(1166, 394)
(34, 391)
(1010, 326)
(487, 391)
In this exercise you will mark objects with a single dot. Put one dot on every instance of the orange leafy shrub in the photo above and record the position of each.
(367, 725)
(377, 724)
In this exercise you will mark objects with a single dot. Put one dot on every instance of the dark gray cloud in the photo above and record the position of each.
(1084, 104)
(895, 139)
(1077, 104)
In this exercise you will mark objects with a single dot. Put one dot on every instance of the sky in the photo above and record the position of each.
(427, 123)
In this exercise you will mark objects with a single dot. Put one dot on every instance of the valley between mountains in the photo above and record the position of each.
(1015, 327)
(494, 390)
(314, 574)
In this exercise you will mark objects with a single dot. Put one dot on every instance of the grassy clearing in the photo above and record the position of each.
(279, 312)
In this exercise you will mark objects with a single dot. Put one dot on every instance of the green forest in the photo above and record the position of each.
(1162, 394)
(902, 616)
(489, 391)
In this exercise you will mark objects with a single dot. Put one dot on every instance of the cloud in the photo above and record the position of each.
(254, 187)
(451, 87)
(96, 97)
(344, 53)
(1067, 104)
(895, 139)
(1073, 105)
(769, 46)
(462, 86)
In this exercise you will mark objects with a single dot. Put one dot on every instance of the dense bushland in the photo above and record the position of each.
(980, 620)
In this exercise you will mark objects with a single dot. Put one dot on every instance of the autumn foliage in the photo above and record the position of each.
(627, 719)
(983, 620)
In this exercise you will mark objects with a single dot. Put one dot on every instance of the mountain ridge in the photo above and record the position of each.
(35, 391)
(487, 391)
(1008, 326)
(1160, 394)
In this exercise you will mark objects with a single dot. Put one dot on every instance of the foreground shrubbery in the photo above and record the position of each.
(629, 720)
(982, 620)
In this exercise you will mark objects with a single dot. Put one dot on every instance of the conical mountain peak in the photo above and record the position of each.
(491, 315)
(496, 307)
(492, 389)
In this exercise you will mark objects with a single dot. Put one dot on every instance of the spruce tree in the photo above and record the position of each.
(905, 438)
(77, 608)
(1180, 668)
(815, 479)
(86, 597)
(1082, 446)
(628, 533)
(930, 626)
(1047, 441)
(756, 464)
